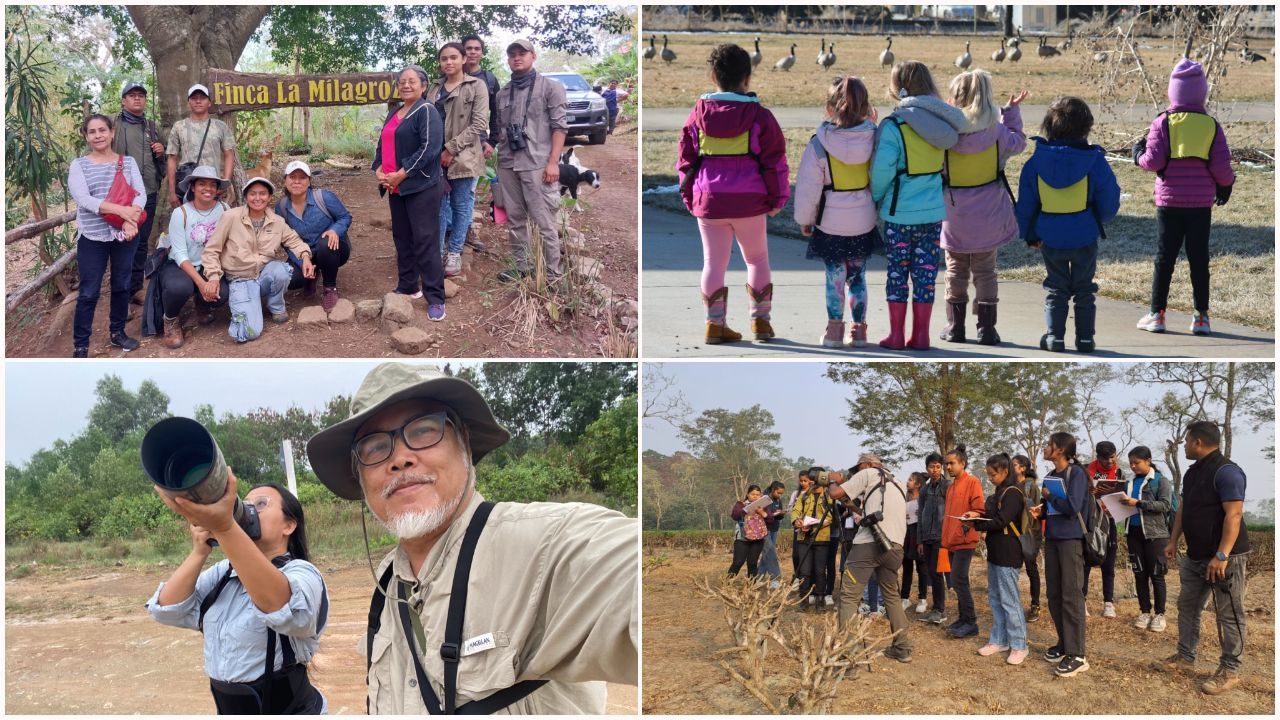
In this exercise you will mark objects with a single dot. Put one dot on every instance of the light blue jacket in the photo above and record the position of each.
(920, 200)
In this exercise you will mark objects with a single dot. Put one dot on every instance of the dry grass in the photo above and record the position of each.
(1242, 246)
(682, 82)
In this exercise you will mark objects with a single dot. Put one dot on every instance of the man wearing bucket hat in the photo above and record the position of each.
(246, 249)
(138, 137)
(198, 140)
(481, 607)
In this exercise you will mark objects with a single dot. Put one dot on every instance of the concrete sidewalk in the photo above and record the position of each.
(673, 318)
(792, 117)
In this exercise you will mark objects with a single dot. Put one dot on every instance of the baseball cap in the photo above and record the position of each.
(521, 42)
(297, 165)
(131, 85)
(198, 88)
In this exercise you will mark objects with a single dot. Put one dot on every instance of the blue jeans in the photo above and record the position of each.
(769, 559)
(871, 595)
(1008, 624)
(245, 300)
(455, 212)
(92, 258)
(1069, 276)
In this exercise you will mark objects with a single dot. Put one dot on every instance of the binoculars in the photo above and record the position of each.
(516, 137)
(183, 460)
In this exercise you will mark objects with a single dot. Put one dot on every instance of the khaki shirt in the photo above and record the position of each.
(543, 115)
(238, 251)
(184, 141)
(466, 125)
(555, 584)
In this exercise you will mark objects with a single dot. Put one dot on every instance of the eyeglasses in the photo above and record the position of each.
(419, 433)
(260, 504)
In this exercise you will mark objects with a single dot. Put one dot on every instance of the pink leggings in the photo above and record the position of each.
(717, 244)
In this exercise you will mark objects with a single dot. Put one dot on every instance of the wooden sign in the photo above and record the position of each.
(256, 91)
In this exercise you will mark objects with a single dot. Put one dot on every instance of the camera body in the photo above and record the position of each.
(871, 521)
(516, 137)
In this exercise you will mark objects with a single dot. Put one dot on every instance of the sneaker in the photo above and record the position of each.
(1220, 682)
(991, 649)
(120, 340)
(508, 276)
(922, 606)
(906, 603)
(435, 312)
(1108, 610)
(1033, 614)
(329, 298)
(774, 585)
(935, 617)
(795, 584)
(280, 318)
(1174, 663)
(1016, 657)
(1143, 621)
(828, 602)
(1053, 654)
(1200, 326)
(863, 609)
(965, 630)
(881, 611)
(80, 352)
(453, 264)
(1152, 322)
(813, 599)
(1071, 665)
(1052, 344)
(902, 656)
(1157, 623)
(415, 295)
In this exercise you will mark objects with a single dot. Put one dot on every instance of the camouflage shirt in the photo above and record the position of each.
(184, 141)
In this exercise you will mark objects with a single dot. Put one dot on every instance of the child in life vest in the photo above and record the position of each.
(1066, 193)
(733, 176)
(1187, 150)
(906, 182)
(834, 206)
(979, 202)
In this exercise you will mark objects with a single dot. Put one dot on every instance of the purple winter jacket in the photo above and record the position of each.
(981, 219)
(1187, 182)
(734, 187)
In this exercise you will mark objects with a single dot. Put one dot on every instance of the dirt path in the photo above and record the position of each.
(79, 642)
(682, 631)
(478, 323)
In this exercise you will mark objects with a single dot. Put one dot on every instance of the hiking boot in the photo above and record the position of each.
(991, 649)
(1053, 655)
(1108, 610)
(1071, 665)
(120, 340)
(474, 241)
(1157, 623)
(1143, 621)
(1200, 326)
(80, 352)
(204, 315)
(172, 333)
(329, 298)
(761, 305)
(1173, 663)
(834, 336)
(858, 334)
(954, 331)
(453, 264)
(280, 318)
(1152, 322)
(902, 656)
(1220, 682)
(1033, 614)
(1016, 657)
(1052, 344)
(717, 331)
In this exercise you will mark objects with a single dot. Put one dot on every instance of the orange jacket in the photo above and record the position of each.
(963, 495)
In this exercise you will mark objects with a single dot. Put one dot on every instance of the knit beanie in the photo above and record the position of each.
(1187, 85)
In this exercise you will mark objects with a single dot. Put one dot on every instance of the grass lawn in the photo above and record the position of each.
(1242, 245)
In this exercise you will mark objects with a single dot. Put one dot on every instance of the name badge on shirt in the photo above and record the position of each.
(478, 644)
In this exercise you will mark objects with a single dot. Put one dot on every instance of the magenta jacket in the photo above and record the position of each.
(1188, 182)
(734, 187)
(981, 219)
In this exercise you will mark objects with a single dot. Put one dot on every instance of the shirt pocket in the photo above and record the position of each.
(380, 682)
(485, 672)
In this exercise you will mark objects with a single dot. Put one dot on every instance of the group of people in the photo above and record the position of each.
(934, 523)
(932, 174)
(429, 156)
(537, 600)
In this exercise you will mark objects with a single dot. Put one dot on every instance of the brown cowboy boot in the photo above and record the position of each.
(717, 331)
(761, 304)
(172, 333)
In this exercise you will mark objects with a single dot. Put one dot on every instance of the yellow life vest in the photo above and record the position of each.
(845, 177)
(969, 170)
(1064, 201)
(736, 146)
(922, 158)
(1190, 135)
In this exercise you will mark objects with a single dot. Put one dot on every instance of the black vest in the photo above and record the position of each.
(1202, 513)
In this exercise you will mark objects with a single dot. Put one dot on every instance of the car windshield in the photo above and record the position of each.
(573, 82)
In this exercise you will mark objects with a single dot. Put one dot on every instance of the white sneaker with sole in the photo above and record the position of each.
(1200, 324)
(453, 264)
(1157, 624)
(1143, 621)
(1152, 322)
(827, 601)
(922, 606)
(1108, 610)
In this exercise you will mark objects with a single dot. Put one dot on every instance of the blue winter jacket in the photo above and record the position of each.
(1062, 163)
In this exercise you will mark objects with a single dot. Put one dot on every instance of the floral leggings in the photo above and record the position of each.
(913, 253)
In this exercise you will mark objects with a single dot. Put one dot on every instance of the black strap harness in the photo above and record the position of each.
(450, 650)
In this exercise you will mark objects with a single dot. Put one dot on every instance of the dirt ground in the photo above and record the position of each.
(479, 322)
(682, 631)
(78, 641)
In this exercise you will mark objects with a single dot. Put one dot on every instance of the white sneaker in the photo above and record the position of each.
(774, 585)
(922, 606)
(795, 584)
(453, 264)
(1108, 610)
(1157, 624)
(813, 599)
(827, 601)
(906, 604)
(1200, 324)
(1143, 621)
(1152, 322)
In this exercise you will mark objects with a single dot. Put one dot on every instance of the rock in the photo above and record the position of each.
(313, 316)
(397, 308)
(451, 288)
(586, 267)
(343, 312)
(628, 308)
(367, 310)
(574, 234)
(410, 340)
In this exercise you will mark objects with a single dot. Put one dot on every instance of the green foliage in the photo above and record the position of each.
(557, 399)
(134, 516)
(119, 412)
(33, 156)
(531, 478)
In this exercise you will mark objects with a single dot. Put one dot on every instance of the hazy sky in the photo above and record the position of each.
(809, 411)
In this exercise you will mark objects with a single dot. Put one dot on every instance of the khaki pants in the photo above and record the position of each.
(525, 197)
(982, 266)
(864, 560)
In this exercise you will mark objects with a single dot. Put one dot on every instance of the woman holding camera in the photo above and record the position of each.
(261, 610)
(463, 102)
(407, 165)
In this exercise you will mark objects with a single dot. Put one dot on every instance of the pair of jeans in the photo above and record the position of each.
(769, 558)
(960, 560)
(914, 254)
(176, 287)
(1149, 574)
(1108, 567)
(455, 212)
(1063, 573)
(1228, 604)
(92, 259)
(935, 579)
(1069, 277)
(144, 235)
(244, 299)
(867, 560)
(1175, 228)
(747, 551)
(415, 221)
(871, 594)
(1008, 624)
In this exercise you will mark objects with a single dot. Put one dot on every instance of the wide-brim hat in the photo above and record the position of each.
(202, 172)
(244, 189)
(330, 449)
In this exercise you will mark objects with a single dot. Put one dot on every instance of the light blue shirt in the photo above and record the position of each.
(235, 630)
(189, 230)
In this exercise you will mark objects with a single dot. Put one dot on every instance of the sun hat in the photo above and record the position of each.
(244, 189)
(202, 172)
(869, 457)
(330, 449)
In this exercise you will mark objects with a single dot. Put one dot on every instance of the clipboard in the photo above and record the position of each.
(1057, 488)
(759, 502)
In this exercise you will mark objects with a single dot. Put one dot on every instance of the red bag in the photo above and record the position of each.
(121, 193)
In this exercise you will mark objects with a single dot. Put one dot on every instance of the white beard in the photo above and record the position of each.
(417, 523)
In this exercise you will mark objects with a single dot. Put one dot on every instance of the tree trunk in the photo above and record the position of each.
(1008, 21)
(1229, 408)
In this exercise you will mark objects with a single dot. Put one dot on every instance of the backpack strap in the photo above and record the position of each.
(1000, 504)
(317, 195)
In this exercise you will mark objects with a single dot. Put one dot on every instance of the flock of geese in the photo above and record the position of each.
(1010, 49)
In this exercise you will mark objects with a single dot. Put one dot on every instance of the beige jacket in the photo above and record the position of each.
(466, 125)
(555, 584)
(237, 251)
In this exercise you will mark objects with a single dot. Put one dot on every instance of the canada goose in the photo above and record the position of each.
(1016, 53)
(756, 57)
(1066, 44)
(786, 62)
(822, 51)
(1249, 56)
(650, 51)
(886, 57)
(964, 61)
(998, 55)
(1045, 50)
(668, 55)
(830, 58)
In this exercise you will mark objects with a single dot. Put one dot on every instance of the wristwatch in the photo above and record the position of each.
(1221, 556)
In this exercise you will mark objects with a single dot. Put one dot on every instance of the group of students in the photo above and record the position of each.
(430, 154)
(947, 514)
(932, 174)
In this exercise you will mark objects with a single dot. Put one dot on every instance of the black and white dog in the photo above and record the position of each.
(573, 173)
